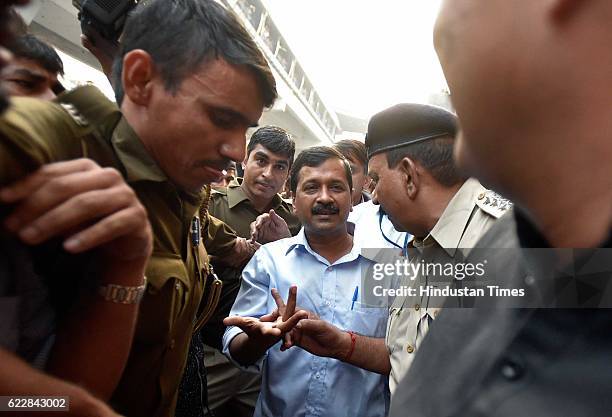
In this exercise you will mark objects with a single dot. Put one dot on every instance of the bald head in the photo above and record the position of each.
(530, 82)
(526, 79)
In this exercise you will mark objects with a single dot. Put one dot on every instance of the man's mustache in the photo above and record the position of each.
(325, 209)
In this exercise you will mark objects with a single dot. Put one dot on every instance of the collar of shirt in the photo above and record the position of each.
(450, 227)
(138, 164)
(300, 241)
(235, 195)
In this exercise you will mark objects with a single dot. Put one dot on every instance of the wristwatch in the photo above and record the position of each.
(122, 294)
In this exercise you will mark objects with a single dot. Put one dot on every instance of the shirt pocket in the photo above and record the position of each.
(368, 321)
(165, 298)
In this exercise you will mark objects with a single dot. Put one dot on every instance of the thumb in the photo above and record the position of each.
(276, 219)
(309, 325)
(234, 321)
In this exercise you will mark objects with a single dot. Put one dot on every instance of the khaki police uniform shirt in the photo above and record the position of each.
(469, 214)
(231, 205)
(86, 124)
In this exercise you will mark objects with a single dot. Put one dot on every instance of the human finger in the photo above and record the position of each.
(130, 224)
(280, 304)
(84, 208)
(286, 325)
(287, 340)
(253, 231)
(270, 317)
(291, 302)
(276, 219)
(238, 321)
(27, 185)
(310, 326)
(57, 190)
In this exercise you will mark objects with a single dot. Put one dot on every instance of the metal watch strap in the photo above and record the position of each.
(122, 294)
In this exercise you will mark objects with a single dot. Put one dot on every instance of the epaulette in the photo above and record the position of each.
(76, 116)
(87, 105)
(492, 203)
(218, 191)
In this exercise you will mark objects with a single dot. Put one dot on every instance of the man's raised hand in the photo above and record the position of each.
(270, 328)
(269, 227)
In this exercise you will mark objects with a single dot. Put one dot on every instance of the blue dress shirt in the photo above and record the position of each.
(296, 383)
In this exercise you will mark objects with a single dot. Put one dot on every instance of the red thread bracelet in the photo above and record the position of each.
(353, 342)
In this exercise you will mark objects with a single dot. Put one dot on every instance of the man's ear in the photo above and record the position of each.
(410, 176)
(138, 72)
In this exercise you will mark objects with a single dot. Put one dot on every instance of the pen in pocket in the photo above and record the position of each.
(355, 294)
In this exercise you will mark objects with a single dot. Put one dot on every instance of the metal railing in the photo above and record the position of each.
(258, 22)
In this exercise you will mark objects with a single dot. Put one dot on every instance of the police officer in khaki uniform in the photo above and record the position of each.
(266, 168)
(42, 351)
(469, 214)
(419, 187)
(270, 152)
(183, 117)
(446, 213)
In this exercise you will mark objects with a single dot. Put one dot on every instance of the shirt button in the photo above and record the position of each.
(481, 196)
(417, 307)
(409, 348)
(511, 370)
(177, 286)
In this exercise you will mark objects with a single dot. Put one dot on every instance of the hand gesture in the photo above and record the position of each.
(319, 338)
(269, 227)
(268, 330)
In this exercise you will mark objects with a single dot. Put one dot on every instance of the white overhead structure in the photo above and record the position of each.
(299, 108)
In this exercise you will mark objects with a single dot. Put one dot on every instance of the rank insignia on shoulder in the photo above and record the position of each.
(493, 203)
(74, 114)
(218, 191)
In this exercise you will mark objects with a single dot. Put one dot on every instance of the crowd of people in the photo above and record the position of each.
(154, 263)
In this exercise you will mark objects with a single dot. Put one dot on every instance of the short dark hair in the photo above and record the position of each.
(435, 155)
(32, 48)
(274, 139)
(201, 31)
(315, 157)
(353, 150)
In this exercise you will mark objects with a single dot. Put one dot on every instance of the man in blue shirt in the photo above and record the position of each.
(325, 264)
